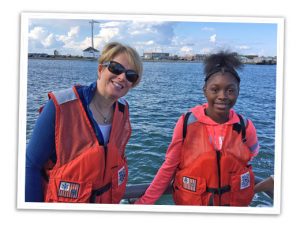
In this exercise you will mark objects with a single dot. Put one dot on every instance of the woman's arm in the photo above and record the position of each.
(40, 149)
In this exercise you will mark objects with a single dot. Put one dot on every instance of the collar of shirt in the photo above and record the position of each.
(199, 112)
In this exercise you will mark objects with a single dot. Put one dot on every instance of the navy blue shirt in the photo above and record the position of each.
(41, 146)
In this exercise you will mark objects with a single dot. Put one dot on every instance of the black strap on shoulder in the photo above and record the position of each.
(121, 107)
(185, 121)
(243, 128)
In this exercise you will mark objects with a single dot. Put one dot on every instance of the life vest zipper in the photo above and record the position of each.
(105, 159)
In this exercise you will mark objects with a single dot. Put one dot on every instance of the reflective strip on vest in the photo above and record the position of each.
(191, 119)
(65, 95)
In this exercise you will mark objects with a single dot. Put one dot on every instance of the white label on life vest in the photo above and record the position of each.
(189, 183)
(121, 175)
(68, 189)
(245, 180)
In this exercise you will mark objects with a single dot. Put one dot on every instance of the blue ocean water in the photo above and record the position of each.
(167, 90)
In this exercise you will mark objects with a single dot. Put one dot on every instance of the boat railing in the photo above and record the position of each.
(137, 190)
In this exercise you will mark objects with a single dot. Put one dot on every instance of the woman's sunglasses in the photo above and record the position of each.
(117, 69)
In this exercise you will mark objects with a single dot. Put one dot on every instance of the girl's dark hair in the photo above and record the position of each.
(222, 61)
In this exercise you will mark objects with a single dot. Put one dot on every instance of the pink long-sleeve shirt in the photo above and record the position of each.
(216, 132)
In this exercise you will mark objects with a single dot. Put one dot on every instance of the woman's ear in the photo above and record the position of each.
(100, 69)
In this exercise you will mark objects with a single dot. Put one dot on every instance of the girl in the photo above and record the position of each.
(211, 146)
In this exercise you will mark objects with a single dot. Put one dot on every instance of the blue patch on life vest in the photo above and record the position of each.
(245, 180)
(121, 175)
(68, 189)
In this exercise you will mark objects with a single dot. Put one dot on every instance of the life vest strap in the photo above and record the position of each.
(219, 191)
(186, 118)
(243, 128)
(99, 192)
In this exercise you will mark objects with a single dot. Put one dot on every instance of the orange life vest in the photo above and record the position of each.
(209, 177)
(86, 171)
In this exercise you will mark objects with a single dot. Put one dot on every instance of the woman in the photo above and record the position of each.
(76, 153)
(211, 146)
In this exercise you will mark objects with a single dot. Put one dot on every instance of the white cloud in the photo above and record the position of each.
(155, 36)
(213, 38)
(186, 50)
(73, 32)
(111, 24)
(146, 43)
(71, 35)
(207, 28)
(37, 33)
(243, 47)
(106, 34)
(48, 41)
(41, 38)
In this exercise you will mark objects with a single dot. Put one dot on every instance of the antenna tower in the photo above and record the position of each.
(92, 27)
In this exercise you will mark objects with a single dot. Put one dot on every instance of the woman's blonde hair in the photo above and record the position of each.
(111, 50)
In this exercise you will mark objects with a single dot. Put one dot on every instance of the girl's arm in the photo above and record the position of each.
(251, 137)
(166, 172)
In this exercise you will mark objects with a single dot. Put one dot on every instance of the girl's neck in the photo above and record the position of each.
(218, 118)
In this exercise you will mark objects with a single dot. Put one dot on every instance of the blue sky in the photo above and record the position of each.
(72, 36)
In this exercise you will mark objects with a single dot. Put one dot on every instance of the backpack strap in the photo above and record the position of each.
(243, 128)
(185, 123)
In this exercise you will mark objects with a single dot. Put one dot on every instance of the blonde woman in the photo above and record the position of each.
(76, 152)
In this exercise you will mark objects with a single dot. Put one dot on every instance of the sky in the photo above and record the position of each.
(72, 36)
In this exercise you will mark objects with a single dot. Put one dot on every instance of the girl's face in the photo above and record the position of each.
(114, 86)
(221, 91)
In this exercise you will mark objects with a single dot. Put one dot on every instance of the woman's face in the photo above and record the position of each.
(221, 91)
(114, 86)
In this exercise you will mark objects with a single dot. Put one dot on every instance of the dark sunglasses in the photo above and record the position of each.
(117, 69)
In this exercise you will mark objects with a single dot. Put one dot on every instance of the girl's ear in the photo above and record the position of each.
(204, 90)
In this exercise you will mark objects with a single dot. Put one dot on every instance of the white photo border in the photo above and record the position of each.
(21, 204)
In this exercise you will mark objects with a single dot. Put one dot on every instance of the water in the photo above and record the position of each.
(166, 91)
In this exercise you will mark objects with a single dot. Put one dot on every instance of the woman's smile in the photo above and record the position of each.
(117, 85)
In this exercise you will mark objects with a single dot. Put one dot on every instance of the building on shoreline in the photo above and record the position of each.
(155, 55)
(93, 54)
(246, 59)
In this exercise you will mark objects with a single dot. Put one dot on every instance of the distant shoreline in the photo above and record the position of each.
(95, 59)
(64, 58)
(81, 58)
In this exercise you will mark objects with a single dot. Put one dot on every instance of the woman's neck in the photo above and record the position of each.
(101, 102)
(102, 109)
